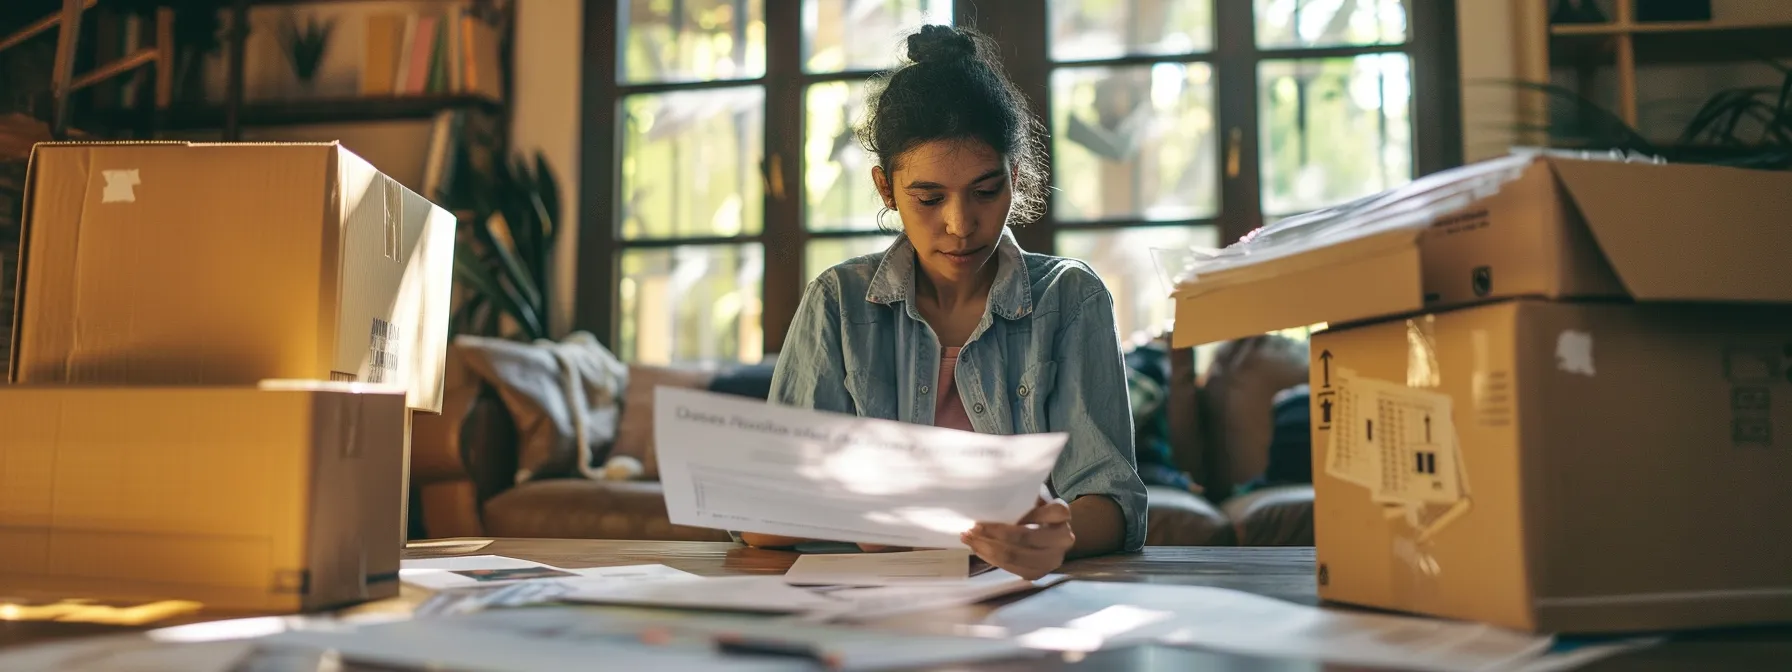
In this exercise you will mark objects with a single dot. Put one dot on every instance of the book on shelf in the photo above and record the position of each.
(451, 52)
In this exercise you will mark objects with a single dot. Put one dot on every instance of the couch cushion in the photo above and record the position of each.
(1274, 516)
(1181, 518)
(1237, 390)
(574, 508)
(635, 436)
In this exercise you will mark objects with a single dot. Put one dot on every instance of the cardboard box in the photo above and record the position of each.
(1559, 467)
(1524, 225)
(234, 497)
(227, 264)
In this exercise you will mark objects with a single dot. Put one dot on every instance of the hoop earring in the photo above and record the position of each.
(880, 219)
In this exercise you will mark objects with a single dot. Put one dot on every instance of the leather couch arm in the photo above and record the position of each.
(462, 457)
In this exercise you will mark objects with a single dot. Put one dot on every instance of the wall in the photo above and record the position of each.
(545, 117)
(1488, 55)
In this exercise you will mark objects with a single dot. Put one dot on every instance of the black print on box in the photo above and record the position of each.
(1752, 431)
(382, 349)
(1751, 399)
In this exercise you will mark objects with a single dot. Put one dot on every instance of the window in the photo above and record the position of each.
(721, 172)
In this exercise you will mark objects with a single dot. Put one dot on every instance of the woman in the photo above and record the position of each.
(955, 326)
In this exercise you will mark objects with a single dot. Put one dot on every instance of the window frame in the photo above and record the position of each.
(1022, 29)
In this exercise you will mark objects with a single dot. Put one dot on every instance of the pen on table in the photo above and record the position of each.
(737, 645)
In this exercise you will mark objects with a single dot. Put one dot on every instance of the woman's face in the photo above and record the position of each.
(953, 198)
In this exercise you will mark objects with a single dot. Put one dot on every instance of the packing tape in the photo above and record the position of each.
(1416, 573)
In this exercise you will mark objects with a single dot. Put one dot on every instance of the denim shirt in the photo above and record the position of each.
(1044, 358)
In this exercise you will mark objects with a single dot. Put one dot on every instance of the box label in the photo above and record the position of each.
(382, 352)
(1398, 442)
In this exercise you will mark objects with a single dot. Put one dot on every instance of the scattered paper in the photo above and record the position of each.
(496, 570)
(881, 569)
(1085, 616)
(754, 594)
(868, 604)
(445, 547)
(122, 653)
(507, 645)
(539, 591)
(1397, 441)
(737, 464)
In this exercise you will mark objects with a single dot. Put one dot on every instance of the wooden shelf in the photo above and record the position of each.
(315, 111)
(1662, 27)
(1670, 43)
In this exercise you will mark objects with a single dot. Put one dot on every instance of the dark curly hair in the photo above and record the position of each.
(954, 87)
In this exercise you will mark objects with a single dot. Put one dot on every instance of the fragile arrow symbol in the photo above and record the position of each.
(1325, 362)
(1370, 424)
(1427, 428)
(1325, 410)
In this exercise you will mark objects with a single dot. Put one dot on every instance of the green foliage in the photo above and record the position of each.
(505, 248)
(304, 43)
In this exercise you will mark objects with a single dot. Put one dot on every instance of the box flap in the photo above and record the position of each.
(1687, 232)
(1355, 280)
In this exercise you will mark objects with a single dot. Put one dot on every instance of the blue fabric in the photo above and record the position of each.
(1045, 358)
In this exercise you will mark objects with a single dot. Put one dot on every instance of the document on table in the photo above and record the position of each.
(752, 594)
(477, 571)
(882, 569)
(1084, 616)
(732, 463)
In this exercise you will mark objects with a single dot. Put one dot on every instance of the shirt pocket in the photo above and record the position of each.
(1031, 397)
(872, 397)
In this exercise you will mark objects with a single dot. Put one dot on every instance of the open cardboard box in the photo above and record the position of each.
(1555, 394)
(1519, 226)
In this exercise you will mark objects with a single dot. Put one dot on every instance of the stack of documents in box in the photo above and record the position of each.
(213, 350)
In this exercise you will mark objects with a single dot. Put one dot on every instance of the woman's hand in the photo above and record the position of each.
(1031, 548)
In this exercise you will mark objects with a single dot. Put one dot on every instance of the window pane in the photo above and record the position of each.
(823, 253)
(1134, 142)
(1286, 24)
(840, 35)
(691, 40)
(1123, 259)
(1091, 29)
(691, 305)
(690, 163)
(1333, 129)
(837, 170)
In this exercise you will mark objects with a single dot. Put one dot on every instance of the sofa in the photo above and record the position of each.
(466, 463)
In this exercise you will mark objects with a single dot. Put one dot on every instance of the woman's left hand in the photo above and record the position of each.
(1031, 548)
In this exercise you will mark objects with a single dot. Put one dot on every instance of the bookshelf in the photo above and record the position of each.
(1624, 43)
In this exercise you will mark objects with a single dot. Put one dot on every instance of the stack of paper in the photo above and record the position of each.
(883, 569)
(478, 571)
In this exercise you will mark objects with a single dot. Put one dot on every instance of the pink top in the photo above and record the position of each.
(949, 411)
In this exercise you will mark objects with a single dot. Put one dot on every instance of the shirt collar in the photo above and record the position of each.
(1011, 297)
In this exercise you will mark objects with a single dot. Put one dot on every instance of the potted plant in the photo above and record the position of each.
(505, 248)
(1746, 127)
(304, 43)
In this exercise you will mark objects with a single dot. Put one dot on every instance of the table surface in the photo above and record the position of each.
(1285, 573)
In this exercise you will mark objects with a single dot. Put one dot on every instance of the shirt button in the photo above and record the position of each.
(923, 389)
(978, 409)
(1024, 391)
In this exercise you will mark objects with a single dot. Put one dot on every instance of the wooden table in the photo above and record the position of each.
(1285, 573)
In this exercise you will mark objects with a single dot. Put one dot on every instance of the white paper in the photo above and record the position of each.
(480, 571)
(1397, 441)
(761, 594)
(867, 604)
(738, 464)
(440, 644)
(879, 569)
(1086, 615)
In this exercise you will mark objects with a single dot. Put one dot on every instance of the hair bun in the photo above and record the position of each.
(940, 43)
